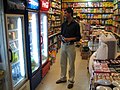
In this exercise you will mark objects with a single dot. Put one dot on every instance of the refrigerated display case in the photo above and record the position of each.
(14, 56)
(34, 69)
(34, 40)
(16, 47)
(44, 36)
(15, 33)
(33, 43)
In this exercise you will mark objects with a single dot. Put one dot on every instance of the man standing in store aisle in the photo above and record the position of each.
(70, 33)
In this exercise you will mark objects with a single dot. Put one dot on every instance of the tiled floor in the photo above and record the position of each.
(81, 78)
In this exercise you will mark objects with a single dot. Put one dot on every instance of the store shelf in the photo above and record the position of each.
(55, 14)
(14, 63)
(116, 18)
(92, 10)
(54, 23)
(12, 30)
(55, 26)
(116, 34)
(52, 44)
(53, 34)
(95, 13)
(98, 27)
(15, 40)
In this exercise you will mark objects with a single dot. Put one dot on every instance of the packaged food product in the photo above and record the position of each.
(116, 83)
(103, 88)
(103, 82)
(116, 88)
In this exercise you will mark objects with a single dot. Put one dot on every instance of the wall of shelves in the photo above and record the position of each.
(95, 11)
(116, 17)
(116, 21)
(54, 23)
(54, 18)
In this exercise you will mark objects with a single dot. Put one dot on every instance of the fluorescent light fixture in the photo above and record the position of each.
(45, 35)
(20, 46)
(35, 38)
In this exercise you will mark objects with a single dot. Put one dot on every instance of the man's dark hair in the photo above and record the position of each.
(77, 17)
(69, 10)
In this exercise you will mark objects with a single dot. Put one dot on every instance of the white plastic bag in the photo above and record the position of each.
(102, 52)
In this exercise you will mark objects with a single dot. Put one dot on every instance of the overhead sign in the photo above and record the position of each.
(33, 4)
(16, 4)
(44, 5)
(78, 0)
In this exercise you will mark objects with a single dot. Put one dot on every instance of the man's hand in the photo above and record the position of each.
(67, 39)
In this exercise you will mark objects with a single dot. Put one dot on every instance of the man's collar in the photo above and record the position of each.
(70, 22)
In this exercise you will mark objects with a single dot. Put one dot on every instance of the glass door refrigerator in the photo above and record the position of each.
(33, 43)
(44, 36)
(14, 57)
(5, 78)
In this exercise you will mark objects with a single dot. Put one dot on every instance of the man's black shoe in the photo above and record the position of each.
(61, 81)
(70, 86)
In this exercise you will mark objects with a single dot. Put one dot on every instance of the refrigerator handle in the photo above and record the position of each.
(41, 40)
(10, 54)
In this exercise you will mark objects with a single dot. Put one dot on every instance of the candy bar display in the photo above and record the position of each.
(111, 77)
(106, 73)
(111, 65)
(101, 67)
(103, 88)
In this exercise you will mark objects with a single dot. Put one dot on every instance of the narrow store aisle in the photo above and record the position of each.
(81, 78)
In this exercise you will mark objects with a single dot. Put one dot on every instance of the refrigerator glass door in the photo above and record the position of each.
(15, 31)
(2, 57)
(44, 37)
(34, 40)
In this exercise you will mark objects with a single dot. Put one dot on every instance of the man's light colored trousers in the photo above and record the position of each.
(67, 53)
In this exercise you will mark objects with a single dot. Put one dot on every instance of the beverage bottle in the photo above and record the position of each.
(15, 72)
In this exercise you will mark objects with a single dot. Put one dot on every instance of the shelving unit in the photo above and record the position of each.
(54, 23)
(105, 70)
(54, 18)
(116, 17)
(116, 21)
(94, 11)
